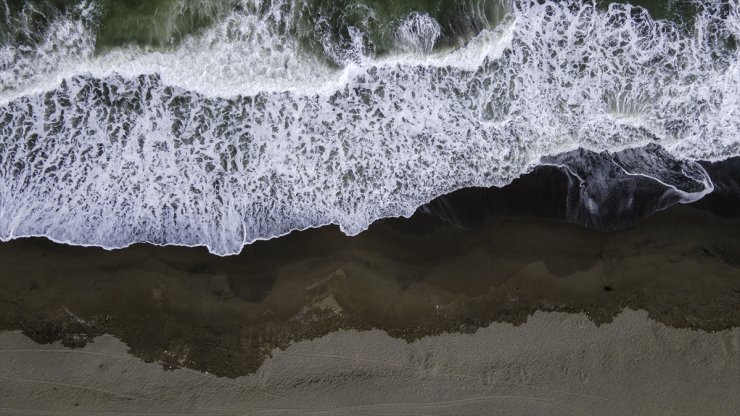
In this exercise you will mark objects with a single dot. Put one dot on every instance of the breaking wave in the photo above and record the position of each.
(255, 126)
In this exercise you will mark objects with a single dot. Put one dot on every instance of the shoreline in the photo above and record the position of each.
(411, 278)
(549, 190)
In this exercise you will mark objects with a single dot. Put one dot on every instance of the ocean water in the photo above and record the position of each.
(219, 123)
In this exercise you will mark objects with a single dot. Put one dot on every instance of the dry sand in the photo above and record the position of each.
(555, 364)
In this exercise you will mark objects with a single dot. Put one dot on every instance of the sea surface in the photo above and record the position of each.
(221, 123)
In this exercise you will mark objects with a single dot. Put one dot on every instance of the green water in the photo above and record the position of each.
(156, 22)
(459, 20)
(163, 23)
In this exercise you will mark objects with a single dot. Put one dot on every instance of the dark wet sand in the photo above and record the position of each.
(183, 307)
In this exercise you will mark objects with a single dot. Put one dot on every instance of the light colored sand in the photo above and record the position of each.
(555, 364)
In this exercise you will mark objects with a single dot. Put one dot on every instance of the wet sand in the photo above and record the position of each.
(182, 307)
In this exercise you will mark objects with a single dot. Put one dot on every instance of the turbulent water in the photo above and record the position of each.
(219, 123)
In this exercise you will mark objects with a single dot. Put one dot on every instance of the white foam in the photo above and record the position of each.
(418, 32)
(247, 53)
(238, 135)
(66, 43)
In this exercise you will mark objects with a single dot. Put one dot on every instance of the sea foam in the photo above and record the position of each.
(239, 134)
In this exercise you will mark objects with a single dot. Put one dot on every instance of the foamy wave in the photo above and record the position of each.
(418, 32)
(239, 134)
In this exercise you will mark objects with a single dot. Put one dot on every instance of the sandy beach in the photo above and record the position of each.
(554, 364)
(183, 307)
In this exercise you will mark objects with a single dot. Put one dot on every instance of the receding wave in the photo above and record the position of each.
(254, 126)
